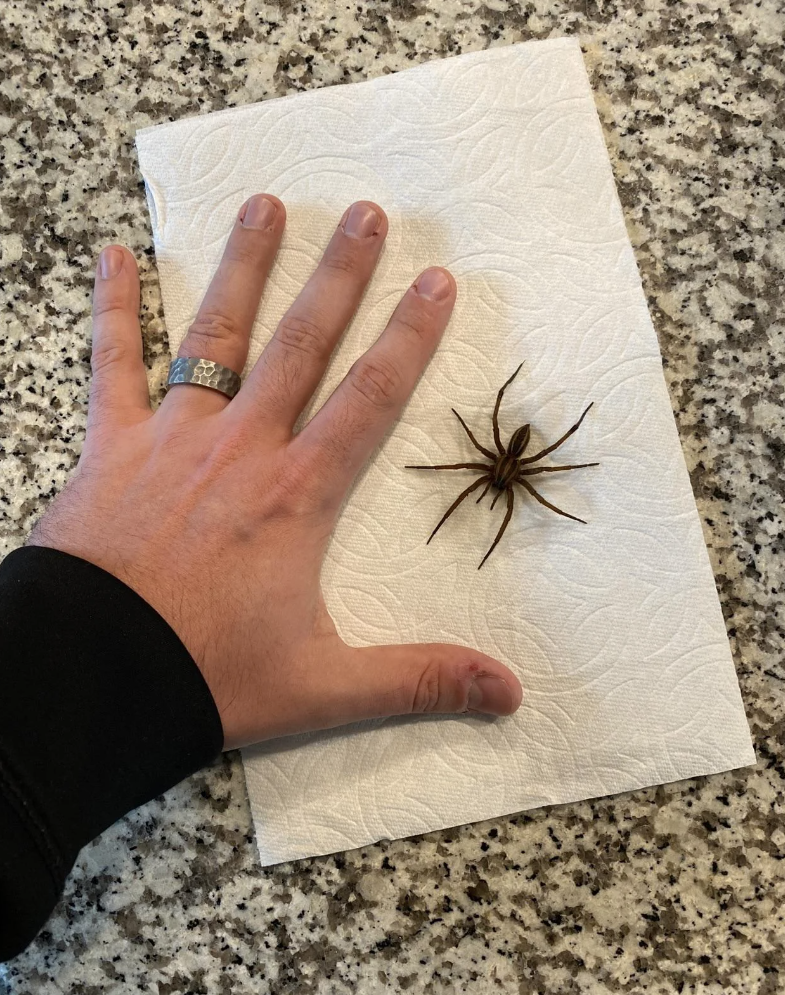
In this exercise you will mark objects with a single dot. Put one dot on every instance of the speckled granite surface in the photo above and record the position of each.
(675, 889)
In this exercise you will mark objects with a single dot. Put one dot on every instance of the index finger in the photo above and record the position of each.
(370, 398)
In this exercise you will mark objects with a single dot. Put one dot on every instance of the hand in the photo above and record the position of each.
(218, 515)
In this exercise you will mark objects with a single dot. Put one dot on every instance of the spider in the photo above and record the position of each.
(507, 467)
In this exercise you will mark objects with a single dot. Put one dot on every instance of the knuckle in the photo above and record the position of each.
(376, 381)
(175, 438)
(108, 356)
(301, 333)
(208, 457)
(294, 492)
(443, 683)
(409, 325)
(209, 328)
(428, 689)
(230, 448)
(340, 261)
(244, 252)
(103, 306)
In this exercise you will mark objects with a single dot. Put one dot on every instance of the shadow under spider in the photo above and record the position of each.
(508, 466)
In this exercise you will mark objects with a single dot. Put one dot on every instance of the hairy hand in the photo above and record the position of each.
(218, 514)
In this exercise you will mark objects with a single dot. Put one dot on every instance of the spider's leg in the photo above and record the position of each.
(555, 469)
(495, 499)
(452, 466)
(538, 497)
(567, 434)
(487, 488)
(475, 443)
(454, 505)
(505, 523)
(496, 436)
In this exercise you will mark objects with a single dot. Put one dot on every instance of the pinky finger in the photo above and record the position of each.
(118, 391)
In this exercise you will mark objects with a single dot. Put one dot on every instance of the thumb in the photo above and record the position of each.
(421, 678)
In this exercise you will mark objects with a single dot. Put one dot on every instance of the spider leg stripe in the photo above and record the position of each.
(555, 469)
(496, 436)
(452, 466)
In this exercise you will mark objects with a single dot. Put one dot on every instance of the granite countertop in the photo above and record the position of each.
(672, 889)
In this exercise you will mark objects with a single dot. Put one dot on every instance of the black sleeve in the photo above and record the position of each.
(101, 709)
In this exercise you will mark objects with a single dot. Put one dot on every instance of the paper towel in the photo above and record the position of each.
(492, 164)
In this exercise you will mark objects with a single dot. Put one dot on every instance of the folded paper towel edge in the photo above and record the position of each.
(538, 804)
(156, 206)
(495, 51)
(156, 202)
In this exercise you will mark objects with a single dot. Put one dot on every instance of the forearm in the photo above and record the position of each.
(101, 709)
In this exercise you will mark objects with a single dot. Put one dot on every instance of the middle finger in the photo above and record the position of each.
(294, 360)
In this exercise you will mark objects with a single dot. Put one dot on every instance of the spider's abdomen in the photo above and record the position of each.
(505, 471)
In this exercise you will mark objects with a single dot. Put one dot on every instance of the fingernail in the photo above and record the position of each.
(433, 284)
(360, 221)
(490, 694)
(110, 262)
(259, 212)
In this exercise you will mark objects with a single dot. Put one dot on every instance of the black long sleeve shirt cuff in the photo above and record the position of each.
(101, 709)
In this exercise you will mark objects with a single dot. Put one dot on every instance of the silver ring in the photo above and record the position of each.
(205, 373)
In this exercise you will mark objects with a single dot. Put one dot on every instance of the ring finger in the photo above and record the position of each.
(356, 416)
(222, 327)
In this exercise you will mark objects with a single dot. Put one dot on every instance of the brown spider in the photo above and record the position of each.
(507, 467)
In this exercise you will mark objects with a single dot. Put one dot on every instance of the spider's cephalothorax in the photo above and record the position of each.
(508, 466)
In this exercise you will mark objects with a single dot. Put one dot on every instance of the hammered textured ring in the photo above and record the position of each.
(204, 373)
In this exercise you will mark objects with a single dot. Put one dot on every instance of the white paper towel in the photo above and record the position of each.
(492, 164)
